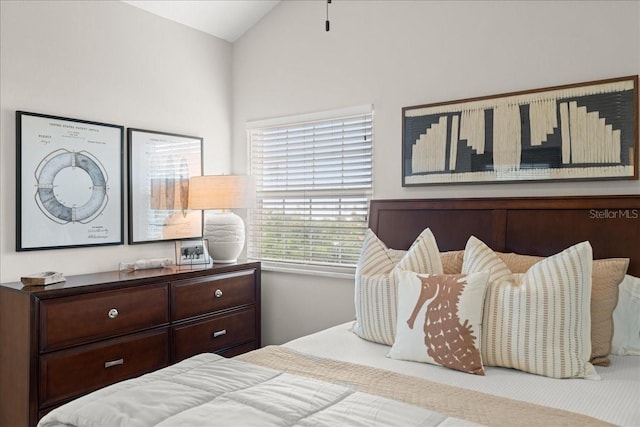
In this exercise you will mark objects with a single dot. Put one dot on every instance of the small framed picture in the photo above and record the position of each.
(192, 252)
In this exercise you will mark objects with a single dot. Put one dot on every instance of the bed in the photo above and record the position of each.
(337, 377)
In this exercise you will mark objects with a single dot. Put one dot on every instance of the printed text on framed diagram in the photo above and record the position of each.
(69, 182)
(584, 131)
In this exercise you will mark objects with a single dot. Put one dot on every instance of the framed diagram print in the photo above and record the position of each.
(160, 165)
(583, 131)
(69, 182)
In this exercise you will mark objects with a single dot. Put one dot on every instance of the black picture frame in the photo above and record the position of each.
(160, 165)
(69, 182)
(582, 131)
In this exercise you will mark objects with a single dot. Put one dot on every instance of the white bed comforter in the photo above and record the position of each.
(209, 390)
(614, 399)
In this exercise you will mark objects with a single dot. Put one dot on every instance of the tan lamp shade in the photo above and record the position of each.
(221, 192)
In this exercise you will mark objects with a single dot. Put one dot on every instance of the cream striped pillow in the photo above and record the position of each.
(606, 276)
(541, 322)
(372, 272)
(479, 257)
(376, 290)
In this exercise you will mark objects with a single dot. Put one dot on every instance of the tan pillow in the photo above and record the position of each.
(539, 322)
(452, 261)
(607, 275)
(439, 319)
(376, 282)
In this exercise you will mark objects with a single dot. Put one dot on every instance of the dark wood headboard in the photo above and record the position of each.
(539, 226)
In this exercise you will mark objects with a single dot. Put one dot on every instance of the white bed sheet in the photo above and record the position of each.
(615, 398)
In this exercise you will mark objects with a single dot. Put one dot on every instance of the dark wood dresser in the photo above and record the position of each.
(61, 341)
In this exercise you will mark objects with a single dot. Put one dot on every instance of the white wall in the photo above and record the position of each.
(109, 62)
(402, 53)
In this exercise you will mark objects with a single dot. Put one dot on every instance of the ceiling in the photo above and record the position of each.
(225, 19)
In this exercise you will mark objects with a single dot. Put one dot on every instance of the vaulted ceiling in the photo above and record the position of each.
(225, 19)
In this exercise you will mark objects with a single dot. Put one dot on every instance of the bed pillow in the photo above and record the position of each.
(480, 257)
(541, 322)
(607, 275)
(439, 319)
(373, 268)
(452, 262)
(376, 283)
(626, 319)
(396, 254)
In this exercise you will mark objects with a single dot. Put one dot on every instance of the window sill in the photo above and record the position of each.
(311, 270)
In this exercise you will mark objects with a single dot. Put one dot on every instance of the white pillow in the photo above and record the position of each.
(439, 319)
(541, 324)
(626, 318)
(376, 283)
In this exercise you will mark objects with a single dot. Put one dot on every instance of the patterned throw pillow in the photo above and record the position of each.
(606, 277)
(376, 283)
(439, 319)
(540, 323)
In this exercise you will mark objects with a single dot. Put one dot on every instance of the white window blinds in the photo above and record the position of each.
(313, 181)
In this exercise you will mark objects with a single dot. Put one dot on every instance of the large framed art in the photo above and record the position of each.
(69, 182)
(583, 131)
(160, 165)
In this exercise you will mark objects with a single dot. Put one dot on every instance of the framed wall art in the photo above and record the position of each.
(584, 131)
(69, 182)
(160, 165)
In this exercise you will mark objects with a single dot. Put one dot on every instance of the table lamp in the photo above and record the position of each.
(224, 230)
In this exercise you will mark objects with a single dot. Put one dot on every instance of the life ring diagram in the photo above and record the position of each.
(47, 195)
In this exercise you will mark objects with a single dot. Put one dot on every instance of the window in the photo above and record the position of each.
(313, 177)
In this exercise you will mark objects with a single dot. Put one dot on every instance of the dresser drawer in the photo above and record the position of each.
(235, 351)
(217, 333)
(205, 295)
(78, 319)
(70, 373)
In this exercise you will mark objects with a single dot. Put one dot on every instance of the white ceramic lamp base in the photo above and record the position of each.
(225, 233)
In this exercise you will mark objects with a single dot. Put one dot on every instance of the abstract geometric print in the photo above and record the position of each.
(585, 131)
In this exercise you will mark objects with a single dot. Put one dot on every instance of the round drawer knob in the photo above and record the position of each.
(113, 313)
(218, 293)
